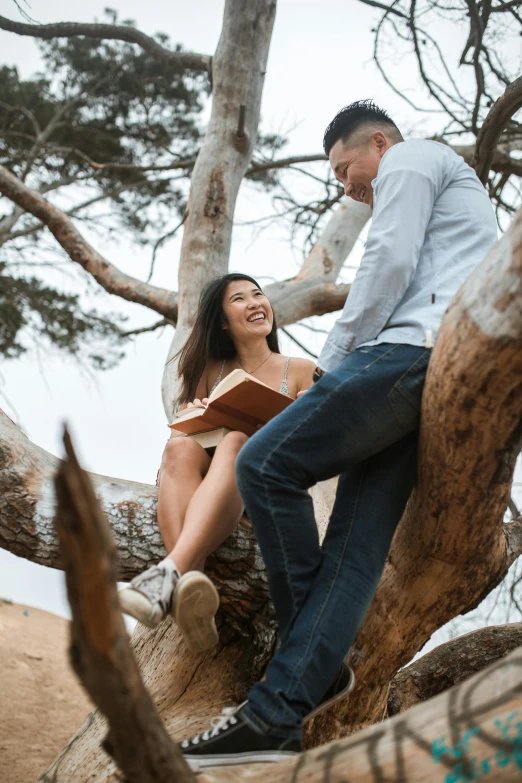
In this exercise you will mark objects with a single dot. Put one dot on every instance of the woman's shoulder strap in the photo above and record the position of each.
(220, 376)
(284, 383)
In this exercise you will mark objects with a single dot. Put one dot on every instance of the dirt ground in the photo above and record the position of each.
(41, 702)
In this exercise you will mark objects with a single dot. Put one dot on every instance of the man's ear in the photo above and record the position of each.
(381, 142)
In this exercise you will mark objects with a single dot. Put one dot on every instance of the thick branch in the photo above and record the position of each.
(78, 249)
(450, 664)
(468, 733)
(189, 60)
(100, 651)
(494, 124)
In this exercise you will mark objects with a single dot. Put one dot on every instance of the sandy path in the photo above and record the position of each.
(41, 702)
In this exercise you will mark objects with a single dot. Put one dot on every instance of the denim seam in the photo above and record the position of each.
(334, 581)
(281, 545)
(397, 384)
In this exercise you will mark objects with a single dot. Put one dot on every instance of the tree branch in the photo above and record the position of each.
(188, 60)
(100, 652)
(492, 127)
(450, 664)
(77, 248)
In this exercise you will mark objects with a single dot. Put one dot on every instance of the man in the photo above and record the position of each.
(432, 224)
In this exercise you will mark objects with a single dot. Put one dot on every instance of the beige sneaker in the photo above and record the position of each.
(195, 604)
(148, 598)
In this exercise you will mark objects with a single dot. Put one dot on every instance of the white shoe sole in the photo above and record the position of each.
(338, 697)
(197, 763)
(195, 604)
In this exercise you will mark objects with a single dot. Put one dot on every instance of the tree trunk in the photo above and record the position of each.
(238, 73)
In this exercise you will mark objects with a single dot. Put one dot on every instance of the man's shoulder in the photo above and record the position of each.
(421, 155)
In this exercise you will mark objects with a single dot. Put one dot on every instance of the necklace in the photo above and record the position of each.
(251, 372)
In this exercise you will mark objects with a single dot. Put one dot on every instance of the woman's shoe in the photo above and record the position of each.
(195, 604)
(148, 598)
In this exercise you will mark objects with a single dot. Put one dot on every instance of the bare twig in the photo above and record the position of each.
(143, 329)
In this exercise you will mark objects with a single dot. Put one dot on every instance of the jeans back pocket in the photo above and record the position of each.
(406, 394)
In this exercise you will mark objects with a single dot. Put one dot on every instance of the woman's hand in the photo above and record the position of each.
(198, 403)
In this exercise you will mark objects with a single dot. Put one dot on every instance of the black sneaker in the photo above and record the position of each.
(231, 741)
(340, 687)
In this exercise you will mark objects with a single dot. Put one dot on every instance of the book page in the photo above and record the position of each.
(231, 380)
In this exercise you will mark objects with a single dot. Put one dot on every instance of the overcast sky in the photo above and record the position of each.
(320, 60)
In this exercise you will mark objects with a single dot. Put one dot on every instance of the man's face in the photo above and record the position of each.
(355, 166)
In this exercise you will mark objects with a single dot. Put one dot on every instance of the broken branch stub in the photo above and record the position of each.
(100, 652)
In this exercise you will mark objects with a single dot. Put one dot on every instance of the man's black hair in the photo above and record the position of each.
(354, 116)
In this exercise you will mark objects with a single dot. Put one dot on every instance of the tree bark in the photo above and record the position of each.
(450, 664)
(238, 73)
(100, 652)
(471, 732)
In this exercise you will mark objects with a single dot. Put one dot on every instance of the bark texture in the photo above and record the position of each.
(100, 652)
(451, 663)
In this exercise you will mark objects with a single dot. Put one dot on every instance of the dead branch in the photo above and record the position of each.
(100, 652)
(188, 60)
(492, 127)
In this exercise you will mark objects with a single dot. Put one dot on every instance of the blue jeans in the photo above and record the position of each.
(359, 422)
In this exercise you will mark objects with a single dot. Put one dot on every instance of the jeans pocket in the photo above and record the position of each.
(406, 395)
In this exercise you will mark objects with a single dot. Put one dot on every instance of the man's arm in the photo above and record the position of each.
(403, 207)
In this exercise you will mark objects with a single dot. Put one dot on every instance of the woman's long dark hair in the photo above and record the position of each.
(208, 339)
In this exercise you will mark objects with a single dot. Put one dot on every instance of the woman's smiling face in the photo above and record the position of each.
(247, 311)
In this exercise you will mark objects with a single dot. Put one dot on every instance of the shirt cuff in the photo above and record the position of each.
(331, 356)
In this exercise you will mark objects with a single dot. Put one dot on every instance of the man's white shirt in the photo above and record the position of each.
(432, 224)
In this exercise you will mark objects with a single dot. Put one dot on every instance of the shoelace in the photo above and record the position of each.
(154, 591)
(222, 722)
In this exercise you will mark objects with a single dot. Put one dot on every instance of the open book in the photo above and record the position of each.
(239, 402)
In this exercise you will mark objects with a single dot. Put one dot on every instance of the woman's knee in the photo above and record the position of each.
(181, 452)
(232, 443)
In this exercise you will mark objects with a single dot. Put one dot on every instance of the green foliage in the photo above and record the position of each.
(109, 104)
(31, 312)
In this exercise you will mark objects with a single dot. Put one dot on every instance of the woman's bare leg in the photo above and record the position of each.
(183, 467)
(214, 510)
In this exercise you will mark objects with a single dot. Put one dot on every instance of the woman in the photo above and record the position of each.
(199, 504)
